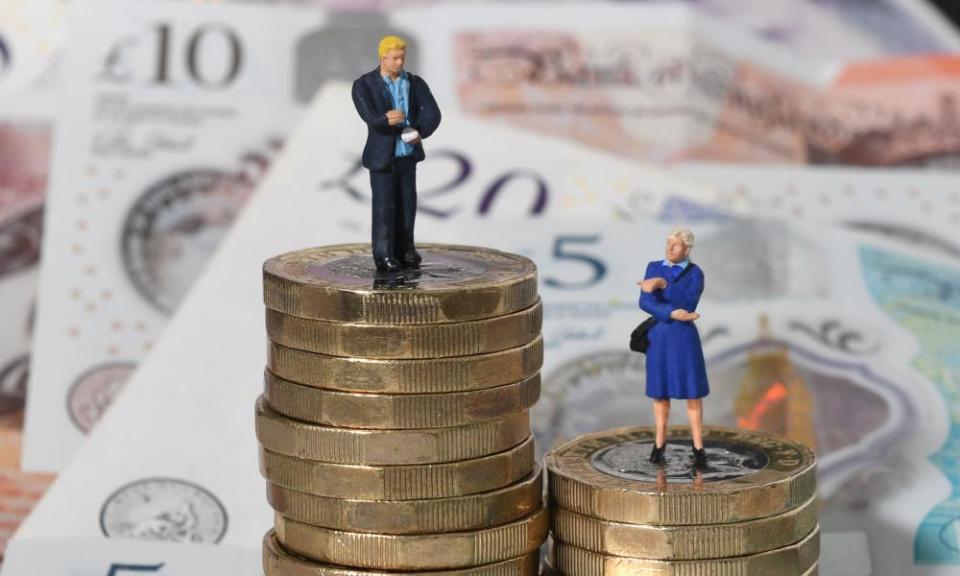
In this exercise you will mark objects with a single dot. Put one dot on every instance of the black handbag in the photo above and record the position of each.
(639, 338)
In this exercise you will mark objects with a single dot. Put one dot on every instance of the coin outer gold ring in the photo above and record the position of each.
(507, 284)
(398, 411)
(415, 552)
(423, 376)
(400, 482)
(279, 562)
(387, 447)
(548, 570)
(685, 542)
(406, 341)
(455, 514)
(797, 558)
(788, 480)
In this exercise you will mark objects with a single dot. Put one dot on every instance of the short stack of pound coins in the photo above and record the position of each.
(751, 512)
(394, 425)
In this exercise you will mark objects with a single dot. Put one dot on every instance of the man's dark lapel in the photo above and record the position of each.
(414, 102)
(378, 89)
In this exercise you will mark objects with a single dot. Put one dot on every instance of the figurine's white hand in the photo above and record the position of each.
(395, 117)
(684, 316)
(652, 284)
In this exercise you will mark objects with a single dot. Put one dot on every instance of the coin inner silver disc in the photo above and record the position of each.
(437, 268)
(725, 461)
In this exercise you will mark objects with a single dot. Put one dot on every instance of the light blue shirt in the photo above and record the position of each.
(400, 94)
(682, 264)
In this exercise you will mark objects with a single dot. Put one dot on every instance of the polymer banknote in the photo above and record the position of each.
(920, 209)
(832, 29)
(659, 82)
(30, 34)
(24, 152)
(839, 28)
(173, 112)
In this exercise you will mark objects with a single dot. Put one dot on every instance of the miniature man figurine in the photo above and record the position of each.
(399, 111)
(670, 292)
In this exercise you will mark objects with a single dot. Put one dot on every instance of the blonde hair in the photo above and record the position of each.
(685, 235)
(388, 43)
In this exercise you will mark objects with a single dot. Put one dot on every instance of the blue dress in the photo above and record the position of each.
(675, 365)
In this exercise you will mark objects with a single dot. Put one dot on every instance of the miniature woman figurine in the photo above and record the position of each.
(670, 292)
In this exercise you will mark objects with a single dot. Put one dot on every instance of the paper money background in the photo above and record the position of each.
(133, 134)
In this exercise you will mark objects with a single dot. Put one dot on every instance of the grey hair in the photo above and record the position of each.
(684, 233)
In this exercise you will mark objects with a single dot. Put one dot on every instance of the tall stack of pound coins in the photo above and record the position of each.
(751, 512)
(394, 425)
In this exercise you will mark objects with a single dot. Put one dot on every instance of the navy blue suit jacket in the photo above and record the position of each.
(372, 100)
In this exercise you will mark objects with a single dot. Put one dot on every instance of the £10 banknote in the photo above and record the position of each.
(171, 113)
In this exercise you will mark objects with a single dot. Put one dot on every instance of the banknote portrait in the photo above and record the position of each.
(164, 509)
(92, 393)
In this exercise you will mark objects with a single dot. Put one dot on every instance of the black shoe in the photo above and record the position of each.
(656, 453)
(699, 458)
(388, 265)
(412, 259)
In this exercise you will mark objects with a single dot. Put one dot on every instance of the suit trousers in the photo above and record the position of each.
(394, 208)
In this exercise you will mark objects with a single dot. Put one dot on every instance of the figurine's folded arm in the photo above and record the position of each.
(652, 305)
(428, 113)
(685, 295)
(362, 101)
(659, 310)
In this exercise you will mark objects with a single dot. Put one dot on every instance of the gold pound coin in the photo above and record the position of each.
(400, 482)
(749, 475)
(387, 447)
(279, 562)
(398, 411)
(415, 552)
(423, 376)
(548, 570)
(798, 558)
(685, 542)
(455, 514)
(454, 284)
(406, 341)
